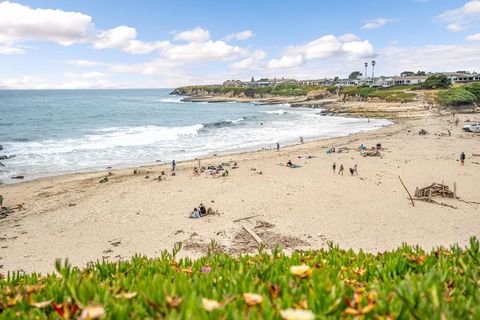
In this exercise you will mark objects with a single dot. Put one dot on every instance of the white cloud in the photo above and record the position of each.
(85, 63)
(376, 23)
(285, 62)
(470, 11)
(202, 51)
(124, 38)
(11, 50)
(30, 82)
(430, 57)
(348, 37)
(358, 49)
(195, 35)
(20, 23)
(86, 75)
(473, 37)
(242, 35)
(329, 46)
(254, 61)
(455, 27)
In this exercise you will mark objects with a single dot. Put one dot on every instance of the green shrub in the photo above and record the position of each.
(438, 81)
(474, 88)
(458, 96)
(407, 283)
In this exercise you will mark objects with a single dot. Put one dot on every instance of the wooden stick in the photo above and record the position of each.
(253, 234)
(246, 218)
(435, 202)
(411, 199)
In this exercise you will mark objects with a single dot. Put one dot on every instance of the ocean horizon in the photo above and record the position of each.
(52, 132)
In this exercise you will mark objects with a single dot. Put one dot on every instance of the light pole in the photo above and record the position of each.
(373, 72)
(366, 69)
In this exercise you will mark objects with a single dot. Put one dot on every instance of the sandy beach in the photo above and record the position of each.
(76, 217)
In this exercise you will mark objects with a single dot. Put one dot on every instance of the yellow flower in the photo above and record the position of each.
(297, 314)
(302, 271)
(252, 299)
(210, 305)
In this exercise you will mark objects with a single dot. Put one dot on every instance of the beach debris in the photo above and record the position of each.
(371, 153)
(5, 211)
(18, 177)
(434, 190)
(409, 195)
(103, 180)
(253, 234)
(246, 218)
(422, 132)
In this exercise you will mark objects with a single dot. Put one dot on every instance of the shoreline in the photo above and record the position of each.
(74, 216)
(203, 157)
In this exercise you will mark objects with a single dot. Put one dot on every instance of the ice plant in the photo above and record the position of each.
(92, 312)
(302, 271)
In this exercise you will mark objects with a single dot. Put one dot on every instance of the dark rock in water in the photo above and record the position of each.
(1, 147)
(7, 157)
(18, 177)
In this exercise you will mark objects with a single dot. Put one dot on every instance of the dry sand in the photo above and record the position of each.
(76, 217)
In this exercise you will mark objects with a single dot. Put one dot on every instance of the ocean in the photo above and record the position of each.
(50, 132)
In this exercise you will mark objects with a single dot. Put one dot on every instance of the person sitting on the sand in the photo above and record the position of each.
(195, 171)
(362, 147)
(225, 173)
(202, 210)
(195, 214)
(289, 163)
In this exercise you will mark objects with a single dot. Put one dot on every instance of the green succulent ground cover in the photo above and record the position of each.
(407, 283)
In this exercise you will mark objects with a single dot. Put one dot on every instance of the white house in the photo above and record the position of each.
(462, 77)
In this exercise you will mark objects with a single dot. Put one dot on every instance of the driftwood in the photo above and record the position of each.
(371, 153)
(433, 190)
(411, 199)
(253, 234)
(246, 218)
(435, 202)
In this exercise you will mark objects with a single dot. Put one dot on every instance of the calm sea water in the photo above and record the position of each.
(57, 131)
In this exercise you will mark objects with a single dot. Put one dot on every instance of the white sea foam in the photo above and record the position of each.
(280, 112)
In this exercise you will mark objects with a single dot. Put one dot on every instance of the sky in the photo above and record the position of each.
(165, 44)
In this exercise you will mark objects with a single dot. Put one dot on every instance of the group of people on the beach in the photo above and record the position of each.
(198, 212)
(341, 169)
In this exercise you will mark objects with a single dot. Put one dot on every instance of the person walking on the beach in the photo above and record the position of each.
(278, 146)
(334, 167)
(174, 165)
(340, 171)
(1, 201)
(462, 158)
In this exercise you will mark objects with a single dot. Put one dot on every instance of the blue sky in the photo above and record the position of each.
(109, 44)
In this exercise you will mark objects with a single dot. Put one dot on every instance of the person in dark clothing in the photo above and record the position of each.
(462, 158)
(334, 167)
(203, 210)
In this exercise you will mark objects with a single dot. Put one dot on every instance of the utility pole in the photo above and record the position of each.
(373, 72)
